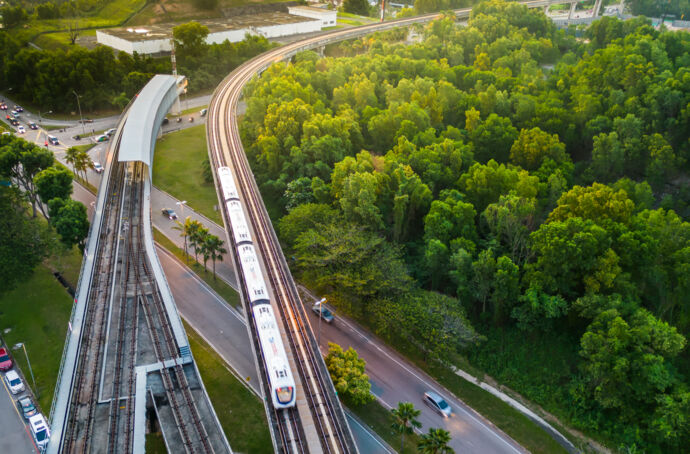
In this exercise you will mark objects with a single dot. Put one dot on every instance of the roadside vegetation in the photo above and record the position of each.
(504, 194)
(241, 412)
(180, 168)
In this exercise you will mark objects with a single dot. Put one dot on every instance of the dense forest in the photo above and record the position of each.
(501, 191)
(103, 79)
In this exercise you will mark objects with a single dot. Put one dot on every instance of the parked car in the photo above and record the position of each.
(170, 214)
(437, 403)
(21, 129)
(13, 382)
(110, 132)
(33, 125)
(97, 167)
(53, 140)
(326, 315)
(5, 361)
(39, 430)
(102, 138)
(26, 407)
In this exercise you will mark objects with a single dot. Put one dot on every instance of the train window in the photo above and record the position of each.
(263, 310)
(258, 291)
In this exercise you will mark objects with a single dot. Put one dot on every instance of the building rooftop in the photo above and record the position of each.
(164, 31)
(312, 8)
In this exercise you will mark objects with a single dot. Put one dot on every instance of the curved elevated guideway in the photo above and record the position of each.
(317, 423)
(127, 356)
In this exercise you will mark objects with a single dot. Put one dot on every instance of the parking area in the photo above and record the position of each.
(15, 436)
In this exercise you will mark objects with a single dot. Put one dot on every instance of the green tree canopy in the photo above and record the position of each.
(347, 372)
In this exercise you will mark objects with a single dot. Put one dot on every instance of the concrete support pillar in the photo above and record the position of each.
(572, 10)
(319, 50)
(597, 8)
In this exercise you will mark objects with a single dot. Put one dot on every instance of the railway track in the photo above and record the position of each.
(226, 149)
(124, 283)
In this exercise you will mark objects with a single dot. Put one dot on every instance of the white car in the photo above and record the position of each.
(14, 382)
(40, 430)
(21, 129)
(97, 167)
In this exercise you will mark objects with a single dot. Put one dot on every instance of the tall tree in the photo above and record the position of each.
(435, 442)
(71, 223)
(53, 182)
(347, 372)
(405, 420)
(213, 249)
(22, 161)
(184, 228)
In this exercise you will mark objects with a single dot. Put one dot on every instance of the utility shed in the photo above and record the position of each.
(145, 117)
(327, 17)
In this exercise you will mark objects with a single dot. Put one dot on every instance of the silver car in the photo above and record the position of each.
(437, 403)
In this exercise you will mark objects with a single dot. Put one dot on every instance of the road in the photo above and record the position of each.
(222, 326)
(15, 437)
(392, 377)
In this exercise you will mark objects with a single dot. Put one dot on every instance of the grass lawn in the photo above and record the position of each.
(378, 418)
(177, 170)
(155, 443)
(221, 287)
(241, 413)
(36, 313)
(505, 417)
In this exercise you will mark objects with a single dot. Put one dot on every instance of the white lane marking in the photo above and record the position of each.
(411, 372)
(366, 430)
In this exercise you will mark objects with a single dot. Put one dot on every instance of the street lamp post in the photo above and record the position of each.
(39, 115)
(181, 204)
(319, 303)
(83, 129)
(22, 346)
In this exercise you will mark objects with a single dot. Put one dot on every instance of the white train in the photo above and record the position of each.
(282, 383)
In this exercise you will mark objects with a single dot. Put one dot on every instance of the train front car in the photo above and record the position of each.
(280, 376)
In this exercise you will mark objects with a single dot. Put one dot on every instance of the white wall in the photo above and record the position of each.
(327, 17)
(151, 46)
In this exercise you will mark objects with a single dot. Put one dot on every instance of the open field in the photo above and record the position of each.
(178, 166)
(36, 313)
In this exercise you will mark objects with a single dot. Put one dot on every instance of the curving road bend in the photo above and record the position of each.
(469, 430)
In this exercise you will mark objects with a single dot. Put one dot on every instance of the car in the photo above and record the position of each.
(19, 108)
(170, 214)
(21, 129)
(110, 132)
(166, 120)
(77, 137)
(53, 140)
(13, 382)
(14, 113)
(5, 360)
(326, 315)
(33, 125)
(203, 112)
(102, 138)
(39, 430)
(97, 167)
(14, 122)
(26, 407)
(437, 404)
(3, 106)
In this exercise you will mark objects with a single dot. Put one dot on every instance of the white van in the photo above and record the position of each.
(40, 431)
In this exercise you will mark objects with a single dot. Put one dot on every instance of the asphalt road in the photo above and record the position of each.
(15, 435)
(222, 326)
(393, 378)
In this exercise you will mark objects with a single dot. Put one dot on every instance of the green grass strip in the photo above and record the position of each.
(241, 412)
(220, 286)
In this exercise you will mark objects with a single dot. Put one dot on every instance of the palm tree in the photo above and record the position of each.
(71, 157)
(213, 249)
(197, 235)
(83, 163)
(435, 442)
(405, 420)
(184, 229)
